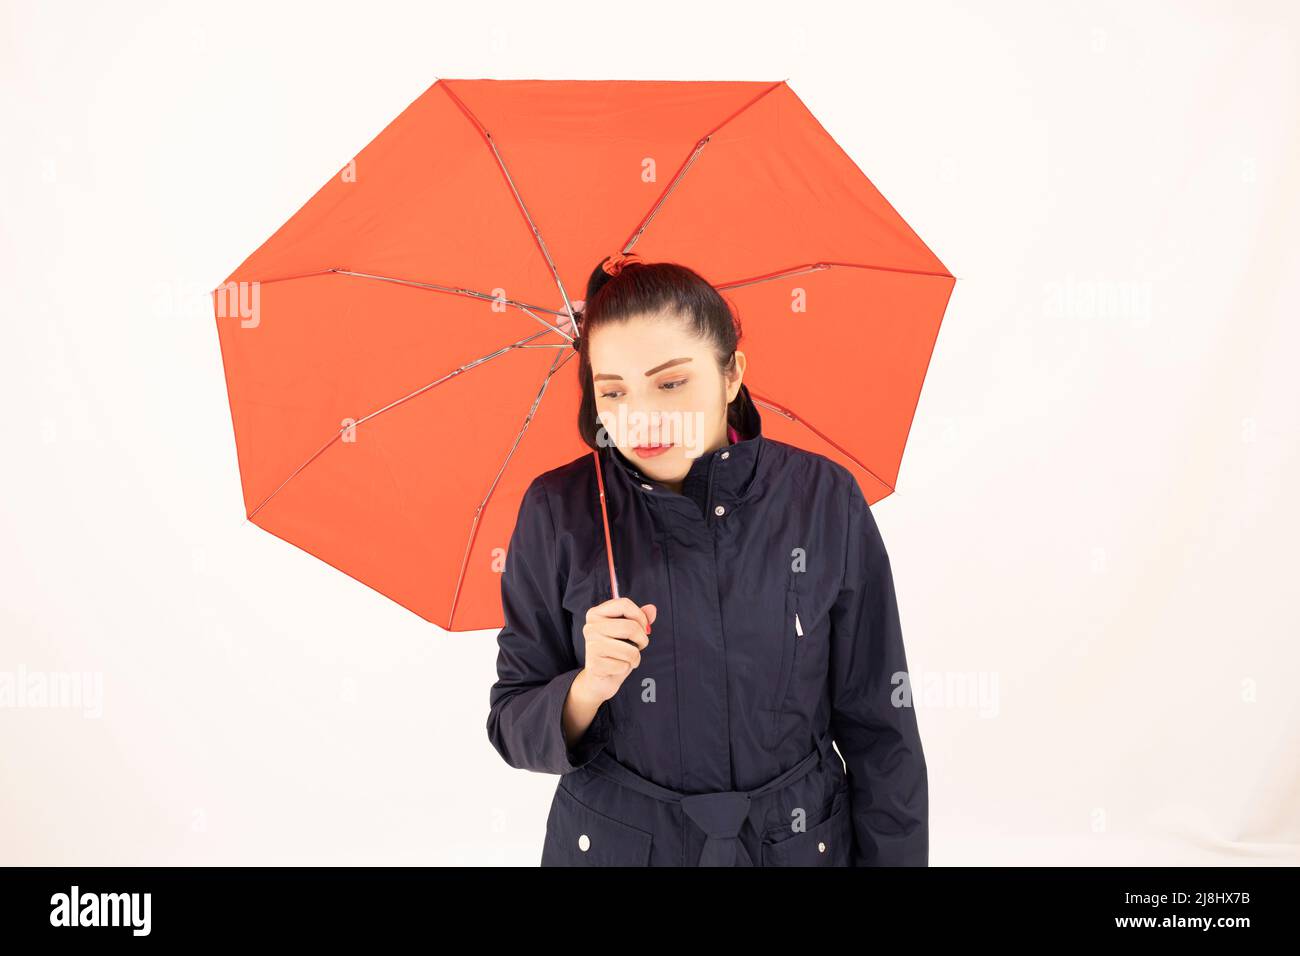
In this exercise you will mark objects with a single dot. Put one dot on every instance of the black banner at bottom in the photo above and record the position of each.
(96, 905)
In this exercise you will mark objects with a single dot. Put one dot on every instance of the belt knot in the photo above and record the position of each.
(720, 815)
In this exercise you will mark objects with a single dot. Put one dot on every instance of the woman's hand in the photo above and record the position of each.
(617, 631)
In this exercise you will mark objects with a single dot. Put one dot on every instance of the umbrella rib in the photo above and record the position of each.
(786, 413)
(537, 233)
(556, 365)
(451, 374)
(690, 161)
(302, 275)
(450, 289)
(821, 266)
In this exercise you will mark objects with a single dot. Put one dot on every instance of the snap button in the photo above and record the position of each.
(821, 847)
(584, 843)
(647, 487)
(719, 510)
(726, 454)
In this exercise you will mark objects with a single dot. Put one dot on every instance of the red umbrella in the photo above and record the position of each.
(397, 353)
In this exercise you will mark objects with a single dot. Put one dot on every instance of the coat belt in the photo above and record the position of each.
(721, 813)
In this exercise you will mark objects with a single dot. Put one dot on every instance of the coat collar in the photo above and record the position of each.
(734, 466)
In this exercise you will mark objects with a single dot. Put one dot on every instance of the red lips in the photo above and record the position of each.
(650, 451)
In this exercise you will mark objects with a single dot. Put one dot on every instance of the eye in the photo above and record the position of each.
(666, 386)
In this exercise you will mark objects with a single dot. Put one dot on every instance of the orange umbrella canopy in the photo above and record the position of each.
(397, 355)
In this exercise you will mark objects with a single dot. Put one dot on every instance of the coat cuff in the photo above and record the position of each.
(598, 732)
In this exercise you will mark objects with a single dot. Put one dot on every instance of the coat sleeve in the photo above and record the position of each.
(872, 718)
(536, 663)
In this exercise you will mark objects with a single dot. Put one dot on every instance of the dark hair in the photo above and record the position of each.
(652, 287)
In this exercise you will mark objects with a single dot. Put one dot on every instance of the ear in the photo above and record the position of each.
(738, 376)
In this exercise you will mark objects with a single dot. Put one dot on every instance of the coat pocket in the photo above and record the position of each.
(792, 631)
(577, 835)
(828, 843)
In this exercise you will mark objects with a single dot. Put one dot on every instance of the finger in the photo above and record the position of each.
(613, 649)
(601, 666)
(609, 667)
(620, 631)
(621, 628)
(619, 607)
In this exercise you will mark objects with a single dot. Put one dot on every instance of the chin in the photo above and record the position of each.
(661, 467)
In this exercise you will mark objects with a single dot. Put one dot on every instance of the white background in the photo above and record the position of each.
(1096, 510)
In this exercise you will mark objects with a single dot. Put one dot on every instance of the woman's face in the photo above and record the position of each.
(659, 393)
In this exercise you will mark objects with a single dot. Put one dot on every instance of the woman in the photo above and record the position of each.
(691, 719)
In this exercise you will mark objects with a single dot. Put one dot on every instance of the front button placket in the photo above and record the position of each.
(687, 532)
(700, 659)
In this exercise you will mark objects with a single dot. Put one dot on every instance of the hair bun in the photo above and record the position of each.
(614, 264)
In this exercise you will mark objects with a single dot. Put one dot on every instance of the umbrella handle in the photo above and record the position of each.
(604, 515)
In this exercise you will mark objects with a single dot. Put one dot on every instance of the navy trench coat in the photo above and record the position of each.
(777, 635)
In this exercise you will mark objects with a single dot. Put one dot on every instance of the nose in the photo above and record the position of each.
(650, 427)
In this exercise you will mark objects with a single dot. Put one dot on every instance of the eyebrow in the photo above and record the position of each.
(657, 368)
